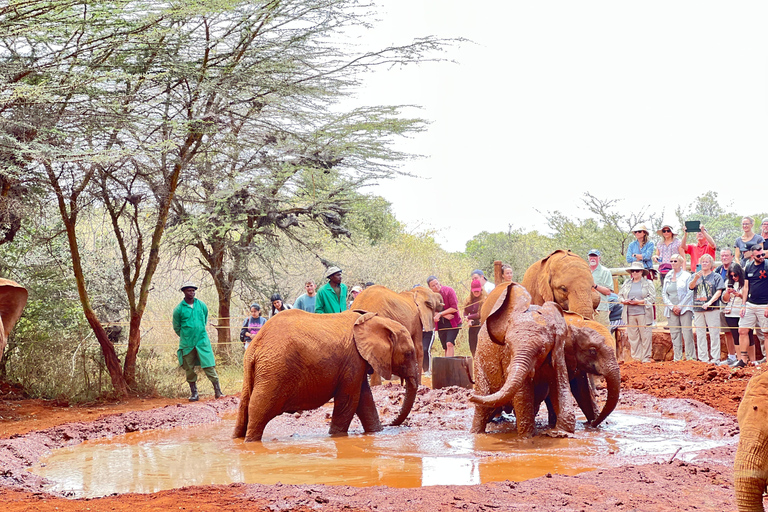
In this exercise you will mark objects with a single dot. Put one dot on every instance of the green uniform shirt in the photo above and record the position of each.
(327, 301)
(189, 322)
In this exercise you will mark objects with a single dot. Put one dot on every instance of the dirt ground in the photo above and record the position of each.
(706, 396)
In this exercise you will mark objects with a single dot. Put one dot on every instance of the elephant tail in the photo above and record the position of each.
(521, 368)
(750, 469)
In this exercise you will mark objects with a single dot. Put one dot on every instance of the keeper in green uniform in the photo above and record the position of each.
(332, 296)
(189, 320)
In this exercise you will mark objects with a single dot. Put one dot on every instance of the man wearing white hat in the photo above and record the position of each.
(332, 296)
(189, 320)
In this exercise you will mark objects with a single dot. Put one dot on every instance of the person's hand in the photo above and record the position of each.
(704, 307)
(676, 310)
(638, 257)
(436, 318)
(742, 311)
(655, 258)
(449, 316)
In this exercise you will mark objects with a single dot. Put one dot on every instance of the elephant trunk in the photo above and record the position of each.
(520, 368)
(410, 397)
(750, 469)
(613, 383)
(581, 303)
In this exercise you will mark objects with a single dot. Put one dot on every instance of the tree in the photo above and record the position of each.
(131, 100)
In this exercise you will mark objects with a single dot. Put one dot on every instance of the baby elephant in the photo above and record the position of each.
(300, 360)
(750, 469)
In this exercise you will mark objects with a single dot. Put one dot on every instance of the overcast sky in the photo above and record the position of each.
(651, 102)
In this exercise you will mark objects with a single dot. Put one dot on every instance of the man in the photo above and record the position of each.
(603, 284)
(447, 321)
(306, 301)
(480, 276)
(707, 286)
(726, 258)
(189, 320)
(705, 244)
(755, 310)
(353, 293)
(332, 296)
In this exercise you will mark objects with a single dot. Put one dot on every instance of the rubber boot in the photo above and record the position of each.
(194, 397)
(217, 390)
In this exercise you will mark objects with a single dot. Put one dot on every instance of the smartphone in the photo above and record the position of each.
(698, 267)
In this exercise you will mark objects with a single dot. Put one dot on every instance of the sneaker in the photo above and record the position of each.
(762, 361)
(734, 363)
(726, 362)
(740, 364)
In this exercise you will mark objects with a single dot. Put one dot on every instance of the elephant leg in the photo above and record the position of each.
(366, 410)
(261, 409)
(481, 418)
(524, 411)
(564, 417)
(584, 397)
(551, 414)
(344, 407)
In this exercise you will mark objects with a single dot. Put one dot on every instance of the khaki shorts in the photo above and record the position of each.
(755, 316)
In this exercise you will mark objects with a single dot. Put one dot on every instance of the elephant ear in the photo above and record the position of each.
(544, 280)
(375, 342)
(510, 298)
(13, 298)
(426, 314)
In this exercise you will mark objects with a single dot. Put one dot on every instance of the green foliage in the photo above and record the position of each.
(515, 247)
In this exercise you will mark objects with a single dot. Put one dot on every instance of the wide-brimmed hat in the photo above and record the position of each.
(666, 226)
(641, 227)
(331, 271)
(188, 284)
(637, 265)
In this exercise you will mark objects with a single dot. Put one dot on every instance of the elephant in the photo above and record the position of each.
(750, 468)
(589, 350)
(300, 360)
(529, 357)
(414, 308)
(13, 298)
(565, 278)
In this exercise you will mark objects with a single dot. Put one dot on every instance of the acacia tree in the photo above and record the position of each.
(128, 95)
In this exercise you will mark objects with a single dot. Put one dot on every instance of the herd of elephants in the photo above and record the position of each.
(537, 343)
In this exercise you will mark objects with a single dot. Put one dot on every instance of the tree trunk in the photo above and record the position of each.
(223, 333)
(134, 342)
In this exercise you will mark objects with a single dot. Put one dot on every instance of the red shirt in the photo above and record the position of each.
(697, 251)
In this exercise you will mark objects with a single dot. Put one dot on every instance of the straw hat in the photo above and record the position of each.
(641, 227)
(666, 226)
(331, 271)
(637, 265)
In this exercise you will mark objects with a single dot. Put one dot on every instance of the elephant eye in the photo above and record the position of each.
(564, 288)
(593, 352)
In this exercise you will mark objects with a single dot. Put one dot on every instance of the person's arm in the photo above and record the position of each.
(630, 250)
(684, 240)
(647, 252)
(736, 251)
(710, 240)
(694, 280)
(687, 300)
(177, 321)
(664, 296)
(319, 306)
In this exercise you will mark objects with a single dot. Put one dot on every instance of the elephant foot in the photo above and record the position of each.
(557, 434)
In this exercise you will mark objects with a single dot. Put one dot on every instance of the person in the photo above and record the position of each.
(603, 284)
(189, 320)
(427, 338)
(277, 304)
(252, 325)
(678, 299)
(746, 241)
(668, 246)
(764, 229)
(726, 258)
(637, 295)
(480, 276)
(306, 301)
(332, 296)
(368, 284)
(447, 321)
(708, 287)
(641, 249)
(754, 312)
(506, 274)
(353, 293)
(472, 306)
(734, 301)
(705, 244)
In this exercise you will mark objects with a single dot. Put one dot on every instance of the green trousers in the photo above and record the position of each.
(188, 363)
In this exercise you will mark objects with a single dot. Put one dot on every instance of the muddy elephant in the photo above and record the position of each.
(529, 357)
(413, 308)
(300, 360)
(589, 350)
(565, 278)
(13, 298)
(750, 469)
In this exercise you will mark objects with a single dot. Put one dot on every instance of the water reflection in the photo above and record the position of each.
(398, 457)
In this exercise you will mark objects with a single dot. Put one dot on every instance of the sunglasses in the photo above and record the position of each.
(633, 271)
(760, 255)
(734, 275)
(636, 232)
(666, 231)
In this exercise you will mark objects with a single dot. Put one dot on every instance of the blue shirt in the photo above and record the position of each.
(305, 303)
(647, 252)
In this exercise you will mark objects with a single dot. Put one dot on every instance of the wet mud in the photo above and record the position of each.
(705, 397)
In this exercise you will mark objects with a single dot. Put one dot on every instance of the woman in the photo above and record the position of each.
(708, 286)
(678, 299)
(472, 308)
(734, 299)
(746, 240)
(277, 304)
(668, 247)
(637, 295)
(252, 325)
(506, 274)
(641, 249)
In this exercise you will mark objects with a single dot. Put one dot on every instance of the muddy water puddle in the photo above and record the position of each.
(397, 457)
